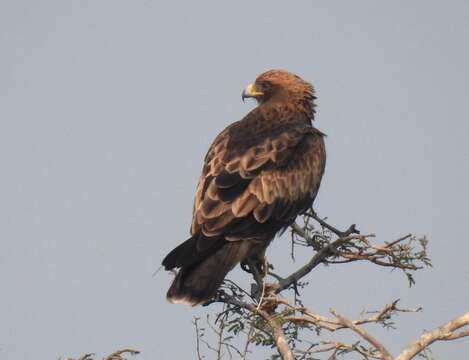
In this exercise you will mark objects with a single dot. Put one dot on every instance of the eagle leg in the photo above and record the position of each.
(244, 266)
(256, 266)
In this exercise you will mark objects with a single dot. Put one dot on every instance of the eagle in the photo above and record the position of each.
(259, 174)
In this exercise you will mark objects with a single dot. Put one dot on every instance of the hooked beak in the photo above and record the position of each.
(251, 92)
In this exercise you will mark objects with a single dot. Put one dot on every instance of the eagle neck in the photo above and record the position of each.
(288, 109)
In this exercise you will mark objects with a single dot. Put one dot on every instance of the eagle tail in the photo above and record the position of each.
(198, 282)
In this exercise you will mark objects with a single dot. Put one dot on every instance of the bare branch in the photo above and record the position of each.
(86, 357)
(442, 333)
(340, 347)
(346, 322)
(280, 339)
(197, 337)
(349, 247)
(116, 355)
(317, 259)
(321, 322)
(351, 230)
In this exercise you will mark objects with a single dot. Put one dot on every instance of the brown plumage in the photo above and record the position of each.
(258, 175)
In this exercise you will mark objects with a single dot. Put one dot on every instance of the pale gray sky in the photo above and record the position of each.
(107, 109)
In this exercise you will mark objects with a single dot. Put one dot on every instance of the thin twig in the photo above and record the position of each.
(248, 342)
(197, 337)
(351, 230)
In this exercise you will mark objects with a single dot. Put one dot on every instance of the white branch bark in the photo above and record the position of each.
(280, 340)
(442, 333)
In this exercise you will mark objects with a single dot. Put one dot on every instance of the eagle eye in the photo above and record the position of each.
(264, 86)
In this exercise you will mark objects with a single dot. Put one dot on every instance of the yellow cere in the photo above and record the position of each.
(251, 91)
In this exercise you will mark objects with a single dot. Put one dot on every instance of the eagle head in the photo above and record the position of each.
(281, 86)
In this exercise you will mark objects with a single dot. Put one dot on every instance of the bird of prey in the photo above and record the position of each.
(258, 175)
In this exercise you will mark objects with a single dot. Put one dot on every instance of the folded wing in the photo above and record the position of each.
(255, 181)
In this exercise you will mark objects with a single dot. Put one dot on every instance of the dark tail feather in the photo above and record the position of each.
(198, 283)
(191, 251)
(181, 255)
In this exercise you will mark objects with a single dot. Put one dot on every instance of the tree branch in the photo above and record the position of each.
(340, 347)
(442, 333)
(351, 230)
(346, 322)
(280, 339)
(277, 332)
(197, 337)
(319, 321)
(317, 259)
(276, 322)
(116, 355)
(349, 246)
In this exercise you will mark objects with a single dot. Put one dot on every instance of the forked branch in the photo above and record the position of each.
(385, 355)
(445, 332)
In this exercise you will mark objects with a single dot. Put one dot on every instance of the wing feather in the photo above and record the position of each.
(244, 205)
(250, 179)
